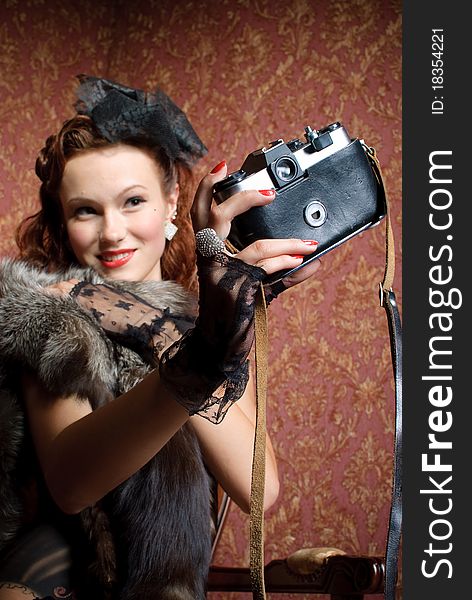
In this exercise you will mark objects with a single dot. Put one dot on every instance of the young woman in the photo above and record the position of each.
(130, 407)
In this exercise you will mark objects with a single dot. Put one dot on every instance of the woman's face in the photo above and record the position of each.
(115, 209)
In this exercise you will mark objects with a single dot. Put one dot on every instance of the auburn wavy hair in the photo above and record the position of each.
(42, 237)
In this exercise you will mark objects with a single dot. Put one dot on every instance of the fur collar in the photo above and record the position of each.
(156, 538)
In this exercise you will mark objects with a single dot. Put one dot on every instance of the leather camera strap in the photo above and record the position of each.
(388, 301)
(256, 518)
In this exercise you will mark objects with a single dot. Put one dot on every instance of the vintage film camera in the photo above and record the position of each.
(326, 190)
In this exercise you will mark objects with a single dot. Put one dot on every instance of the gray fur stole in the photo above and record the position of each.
(152, 533)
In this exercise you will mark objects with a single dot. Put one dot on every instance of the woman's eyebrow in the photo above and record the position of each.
(126, 190)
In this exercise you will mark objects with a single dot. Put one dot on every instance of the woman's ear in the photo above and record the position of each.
(172, 203)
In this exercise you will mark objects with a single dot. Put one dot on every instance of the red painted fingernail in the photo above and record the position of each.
(218, 167)
(297, 256)
(310, 242)
(267, 192)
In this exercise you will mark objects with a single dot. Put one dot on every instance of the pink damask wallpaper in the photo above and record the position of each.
(248, 72)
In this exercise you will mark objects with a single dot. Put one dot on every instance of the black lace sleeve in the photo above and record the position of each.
(130, 320)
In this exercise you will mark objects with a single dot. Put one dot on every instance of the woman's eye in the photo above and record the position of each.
(134, 201)
(82, 211)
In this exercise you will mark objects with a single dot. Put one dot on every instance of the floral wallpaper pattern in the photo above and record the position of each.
(248, 72)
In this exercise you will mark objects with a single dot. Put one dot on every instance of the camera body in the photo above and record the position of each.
(325, 189)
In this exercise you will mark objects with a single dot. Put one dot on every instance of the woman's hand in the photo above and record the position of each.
(271, 255)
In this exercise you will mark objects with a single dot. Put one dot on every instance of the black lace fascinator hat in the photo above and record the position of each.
(121, 113)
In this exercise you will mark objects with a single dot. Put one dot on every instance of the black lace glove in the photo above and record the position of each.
(272, 290)
(208, 368)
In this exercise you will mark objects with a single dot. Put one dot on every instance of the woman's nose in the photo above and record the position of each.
(112, 229)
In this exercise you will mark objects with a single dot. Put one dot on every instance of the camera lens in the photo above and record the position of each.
(285, 169)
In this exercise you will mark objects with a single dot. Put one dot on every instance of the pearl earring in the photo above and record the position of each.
(170, 229)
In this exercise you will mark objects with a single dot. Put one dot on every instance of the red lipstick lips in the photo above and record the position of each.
(112, 259)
